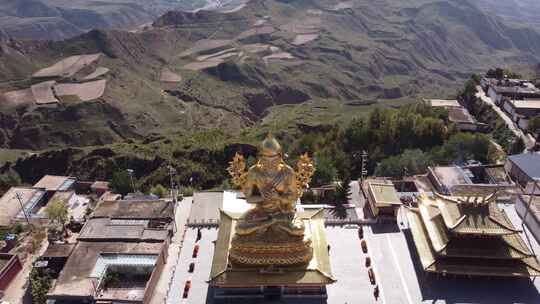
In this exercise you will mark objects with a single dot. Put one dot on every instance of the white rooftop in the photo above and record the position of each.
(444, 103)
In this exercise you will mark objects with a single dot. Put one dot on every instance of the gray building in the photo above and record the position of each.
(119, 255)
(524, 169)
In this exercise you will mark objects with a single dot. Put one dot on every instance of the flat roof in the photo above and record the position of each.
(58, 251)
(135, 209)
(528, 163)
(384, 193)
(444, 103)
(10, 205)
(206, 206)
(75, 280)
(105, 229)
(526, 104)
(100, 185)
(55, 182)
(451, 175)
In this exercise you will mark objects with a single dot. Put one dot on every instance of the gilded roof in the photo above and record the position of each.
(472, 215)
(467, 254)
(505, 247)
(317, 272)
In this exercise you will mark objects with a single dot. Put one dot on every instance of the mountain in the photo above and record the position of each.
(260, 65)
(60, 19)
(514, 11)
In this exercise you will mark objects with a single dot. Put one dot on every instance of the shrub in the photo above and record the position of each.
(159, 191)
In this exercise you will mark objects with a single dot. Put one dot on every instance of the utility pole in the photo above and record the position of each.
(18, 196)
(363, 172)
(130, 172)
(172, 172)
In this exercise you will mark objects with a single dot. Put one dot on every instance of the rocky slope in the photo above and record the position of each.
(268, 64)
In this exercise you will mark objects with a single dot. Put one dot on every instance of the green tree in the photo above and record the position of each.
(159, 191)
(8, 180)
(121, 183)
(40, 283)
(534, 125)
(410, 162)
(476, 78)
(465, 146)
(343, 190)
(57, 212)
(325, 171)
(517, 147)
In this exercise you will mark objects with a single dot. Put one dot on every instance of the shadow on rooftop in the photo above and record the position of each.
(385, 228)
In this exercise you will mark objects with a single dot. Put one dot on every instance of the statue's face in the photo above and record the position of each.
(270, 162)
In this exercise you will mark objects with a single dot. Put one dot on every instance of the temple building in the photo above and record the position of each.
(469, 236)
(271, 250)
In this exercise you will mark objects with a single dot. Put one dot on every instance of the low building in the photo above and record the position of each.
(521, 110)
(53, 183)
(524, 169)
(470, 180)
(469, 236)
(458, 115)
(99, 188)
(119, 255)
(55, 257)
(499, 92)
(9, 268)
(17, 198)
(382, 197)
(444, 103)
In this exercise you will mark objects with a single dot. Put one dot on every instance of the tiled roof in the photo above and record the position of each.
(445, 250)
(466, 217)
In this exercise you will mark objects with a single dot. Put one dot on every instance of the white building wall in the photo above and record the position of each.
(523, 123)
(492, 94)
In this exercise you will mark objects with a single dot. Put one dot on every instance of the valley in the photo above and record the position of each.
(245, 69)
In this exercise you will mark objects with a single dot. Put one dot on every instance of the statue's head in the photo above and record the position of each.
(270, 147)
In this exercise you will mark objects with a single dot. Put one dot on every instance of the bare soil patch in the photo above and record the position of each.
(67, 67)
(169, 76)
(19, 98)
(43, 92)
(304, 38)
(85, 91)
(205, 46)
(100, 71)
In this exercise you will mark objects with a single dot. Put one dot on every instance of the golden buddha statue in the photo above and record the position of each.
(269, 233)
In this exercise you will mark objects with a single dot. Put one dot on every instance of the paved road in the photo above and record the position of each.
(165, 281)
(203, 264)
(348, 267)
(529, 142)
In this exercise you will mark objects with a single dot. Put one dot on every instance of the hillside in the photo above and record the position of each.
(60, 19)
(266, 65)
(514, 11)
